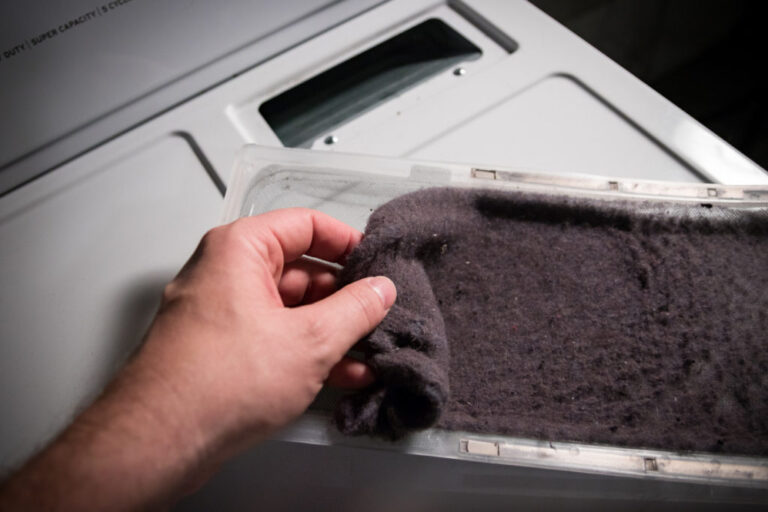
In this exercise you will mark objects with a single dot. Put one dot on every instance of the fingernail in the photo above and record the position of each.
(385, 289)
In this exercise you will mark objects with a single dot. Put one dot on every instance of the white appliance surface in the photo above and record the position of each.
(86, 252)
(74, 74)
(86, 248)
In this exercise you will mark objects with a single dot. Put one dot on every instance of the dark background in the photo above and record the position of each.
(706, 56)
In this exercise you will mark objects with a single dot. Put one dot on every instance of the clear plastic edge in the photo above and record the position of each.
(252, 160)
(315, 427)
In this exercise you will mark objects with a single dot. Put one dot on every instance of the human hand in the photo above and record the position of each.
(245, 337)
(249, 330)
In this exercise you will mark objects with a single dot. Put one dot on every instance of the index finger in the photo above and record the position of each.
(300, 231)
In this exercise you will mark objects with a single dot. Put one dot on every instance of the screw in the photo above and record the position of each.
(331, 139)
(459, 71)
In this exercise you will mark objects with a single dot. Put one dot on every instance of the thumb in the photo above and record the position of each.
(352, 312)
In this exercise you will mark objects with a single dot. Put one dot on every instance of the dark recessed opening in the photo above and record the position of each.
(300, 115)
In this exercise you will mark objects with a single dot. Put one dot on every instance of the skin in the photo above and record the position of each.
(246, 335)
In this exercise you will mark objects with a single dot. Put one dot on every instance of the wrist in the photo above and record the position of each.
(190, 398)
(160, 408)
(142, 433)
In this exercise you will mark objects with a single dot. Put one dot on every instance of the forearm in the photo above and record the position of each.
(132, 449)
(225, 364)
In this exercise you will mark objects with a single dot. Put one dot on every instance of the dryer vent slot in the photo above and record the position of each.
(309, 110)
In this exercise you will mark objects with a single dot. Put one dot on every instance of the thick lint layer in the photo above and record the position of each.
(602, 322)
